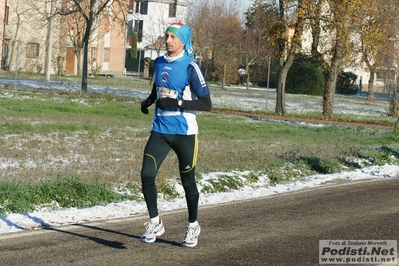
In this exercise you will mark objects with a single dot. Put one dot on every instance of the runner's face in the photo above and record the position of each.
(173, 44)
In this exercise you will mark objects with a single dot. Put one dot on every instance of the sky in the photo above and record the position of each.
(240, 5)
(243, 4)
(52, 217)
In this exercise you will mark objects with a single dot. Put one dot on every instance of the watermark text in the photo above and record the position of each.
(358, 251)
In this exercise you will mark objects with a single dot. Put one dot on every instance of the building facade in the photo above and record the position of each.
(106, 50)
(26, 34)
(149, 20)
(23, 42)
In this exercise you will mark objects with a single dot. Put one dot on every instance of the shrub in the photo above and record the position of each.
(305, 77)
(324, 166)
(346, 83)
(65, 191)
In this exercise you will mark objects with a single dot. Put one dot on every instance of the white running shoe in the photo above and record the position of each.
(191, 237)
(152, 231)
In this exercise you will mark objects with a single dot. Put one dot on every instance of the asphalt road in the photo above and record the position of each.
(281, 230)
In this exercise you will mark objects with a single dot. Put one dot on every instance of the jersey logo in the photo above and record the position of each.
(164, 77)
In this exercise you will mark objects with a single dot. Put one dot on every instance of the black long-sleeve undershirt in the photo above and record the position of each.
(203, 103)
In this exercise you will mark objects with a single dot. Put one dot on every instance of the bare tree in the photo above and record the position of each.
(390, 65)
(372, 30)
(217, 33)
(226, 57)
(291, 15)
(330, 22)
(256, 47)
(156, 25)
(87, 13)
(43, 10)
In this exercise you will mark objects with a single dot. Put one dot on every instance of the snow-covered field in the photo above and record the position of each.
(35, 220)
(260, 99)
(43, 217)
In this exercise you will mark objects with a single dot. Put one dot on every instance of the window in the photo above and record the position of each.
(142, 7)
(93, 54)
(385, 75)
(6, 14)
(138, 26)
(107, 23)
(137, 9)
(131, 4)
(32, 50)
(129, 33)
(106, 54)
(71, 22)
(172, 9)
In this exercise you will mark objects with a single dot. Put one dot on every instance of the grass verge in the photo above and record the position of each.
(63, 149)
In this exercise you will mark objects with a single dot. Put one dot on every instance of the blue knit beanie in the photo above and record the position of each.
(183, 32)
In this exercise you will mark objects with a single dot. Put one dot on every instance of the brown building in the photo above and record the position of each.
(25, 36)
(106, 51)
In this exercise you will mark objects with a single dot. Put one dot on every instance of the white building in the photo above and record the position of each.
(357, 65)
(150, 19)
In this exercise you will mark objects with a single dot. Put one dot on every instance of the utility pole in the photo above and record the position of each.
(49, 41)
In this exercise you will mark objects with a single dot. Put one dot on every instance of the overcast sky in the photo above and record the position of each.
(244, 3)
(241, 4)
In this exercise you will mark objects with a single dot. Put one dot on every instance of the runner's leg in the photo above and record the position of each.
(154, 153)
(186, 149)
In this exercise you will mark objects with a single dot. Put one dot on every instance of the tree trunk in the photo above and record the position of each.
(85, 54)
(84, 67)
(286, 63)
(49, 42)
(395, 129)
(224, 74)
(14, 47)
(370, 87)
(247, 75)
(328, 96)
(78, 64)
(280, 98)
(331, 73)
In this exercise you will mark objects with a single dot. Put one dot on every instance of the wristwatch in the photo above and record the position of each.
(179, 103)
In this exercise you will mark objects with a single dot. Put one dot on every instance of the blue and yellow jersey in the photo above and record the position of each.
(178, 79)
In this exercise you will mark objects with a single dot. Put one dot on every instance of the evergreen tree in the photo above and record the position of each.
(133, 48)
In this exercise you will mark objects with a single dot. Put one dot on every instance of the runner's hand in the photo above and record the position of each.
(144, 106)
(167, 103)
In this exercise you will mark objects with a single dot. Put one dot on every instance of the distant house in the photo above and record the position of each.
(25, 35)
(149, 19)
(106, 51)
(384, 75)
(23, 42)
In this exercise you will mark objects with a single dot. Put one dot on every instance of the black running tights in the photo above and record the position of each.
(156, 150)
